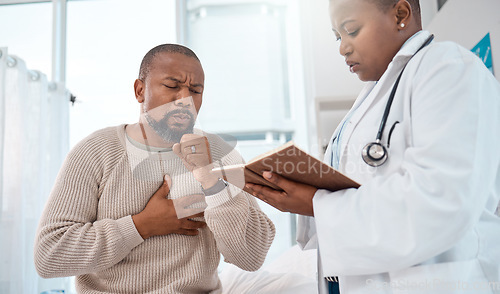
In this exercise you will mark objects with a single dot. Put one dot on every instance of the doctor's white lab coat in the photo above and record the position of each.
(424, 222)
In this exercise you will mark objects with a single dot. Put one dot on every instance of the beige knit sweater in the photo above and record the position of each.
(87, 231)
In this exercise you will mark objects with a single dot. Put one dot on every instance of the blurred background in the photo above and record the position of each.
(273, 74)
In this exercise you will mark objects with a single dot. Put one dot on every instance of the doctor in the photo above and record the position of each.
(427, 158)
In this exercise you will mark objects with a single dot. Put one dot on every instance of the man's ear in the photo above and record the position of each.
(403, 14)
(139, 90)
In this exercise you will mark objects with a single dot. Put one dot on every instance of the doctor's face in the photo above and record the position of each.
(369, 37)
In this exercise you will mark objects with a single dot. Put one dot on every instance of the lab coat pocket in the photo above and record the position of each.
(458, 277)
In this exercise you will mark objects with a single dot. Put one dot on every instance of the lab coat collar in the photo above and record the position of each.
(411, 45)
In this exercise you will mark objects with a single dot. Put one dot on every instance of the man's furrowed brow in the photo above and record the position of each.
(172, 79)
(197, 85)
(179, 81)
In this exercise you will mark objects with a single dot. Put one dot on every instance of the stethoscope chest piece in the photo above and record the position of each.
(374, 154)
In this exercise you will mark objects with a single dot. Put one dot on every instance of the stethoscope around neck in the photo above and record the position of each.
(374, 153)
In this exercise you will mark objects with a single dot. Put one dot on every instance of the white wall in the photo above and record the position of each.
(428, 9)
(331, 74)
(467, 22)
(327, 77)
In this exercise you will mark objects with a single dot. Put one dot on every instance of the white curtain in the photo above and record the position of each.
(33, 142)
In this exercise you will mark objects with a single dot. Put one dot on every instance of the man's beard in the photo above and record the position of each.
(163, 130)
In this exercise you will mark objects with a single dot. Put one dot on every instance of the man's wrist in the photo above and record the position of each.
(139, 226)
(215, 188)
(209, 181)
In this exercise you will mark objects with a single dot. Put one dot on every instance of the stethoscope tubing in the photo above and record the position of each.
(393, 92)
(365, 154)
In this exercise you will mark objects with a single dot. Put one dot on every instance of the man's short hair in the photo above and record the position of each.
(163, 48)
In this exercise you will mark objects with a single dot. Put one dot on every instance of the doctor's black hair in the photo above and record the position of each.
(385, 5)
(163, 48)
(388, 4)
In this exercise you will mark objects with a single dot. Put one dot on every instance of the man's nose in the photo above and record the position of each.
(185, 101)
(183, 93)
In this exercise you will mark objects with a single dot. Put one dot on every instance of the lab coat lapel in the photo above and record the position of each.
(358, 106)
(327, 158)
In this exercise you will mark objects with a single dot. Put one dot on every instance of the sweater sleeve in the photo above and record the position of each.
(70, 240)
(243, 233)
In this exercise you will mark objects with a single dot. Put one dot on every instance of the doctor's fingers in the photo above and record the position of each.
(272, 197)
(298, 196)
(283, 183)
